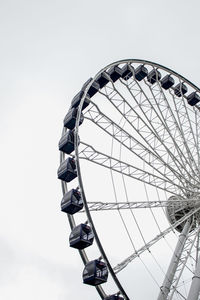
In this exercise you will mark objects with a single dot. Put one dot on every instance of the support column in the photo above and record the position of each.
(165, 288)
(195, 285)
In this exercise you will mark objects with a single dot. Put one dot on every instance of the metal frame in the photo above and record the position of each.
(165, 288)
(181, 203)
(180, 173)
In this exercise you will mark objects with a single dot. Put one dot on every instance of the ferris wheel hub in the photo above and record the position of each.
(177, 209)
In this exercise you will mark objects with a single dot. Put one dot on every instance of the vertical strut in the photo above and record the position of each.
(165, 288)
(195, 285)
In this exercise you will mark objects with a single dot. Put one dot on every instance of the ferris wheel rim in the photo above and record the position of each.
(77, 141)
(142, 61)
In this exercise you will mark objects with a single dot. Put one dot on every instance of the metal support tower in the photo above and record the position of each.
(165, 289)
(195, 285)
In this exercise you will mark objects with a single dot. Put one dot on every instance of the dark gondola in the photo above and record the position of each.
(180, 89)
(70, 118)
(153, 76)
(81, 237)
(167, 82)
(95, 272)
(93, 89)
(66, 143)
(72, 202)
(126, 72)
(77, 99)
(140, 72)
(193, 99)
(115, 73)
(67, 170)
(102, 80)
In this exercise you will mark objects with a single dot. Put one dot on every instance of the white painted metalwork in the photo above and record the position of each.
(195, 286)
(182, 264)
(182, 203)
(169, 277)
(150, 138)
(147, 246)
(92, 155)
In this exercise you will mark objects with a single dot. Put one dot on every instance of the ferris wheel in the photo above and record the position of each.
(130, 173)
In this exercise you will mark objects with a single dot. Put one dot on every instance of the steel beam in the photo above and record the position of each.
(165, 288)
(195, 285)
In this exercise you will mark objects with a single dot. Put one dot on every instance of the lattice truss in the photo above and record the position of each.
(159, 129)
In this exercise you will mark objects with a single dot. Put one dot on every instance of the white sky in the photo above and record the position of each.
(48, 50)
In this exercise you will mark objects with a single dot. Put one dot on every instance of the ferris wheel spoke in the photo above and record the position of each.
(92, 155)
(163, 131)
(181, 204)
(150, 137)
(188, 124)
(176, 143)
(188, 131)
(136, 147)
(154, 114)
(148, 245)
(172, 125)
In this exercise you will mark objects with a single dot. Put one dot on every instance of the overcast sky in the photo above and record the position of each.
(48, 50)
